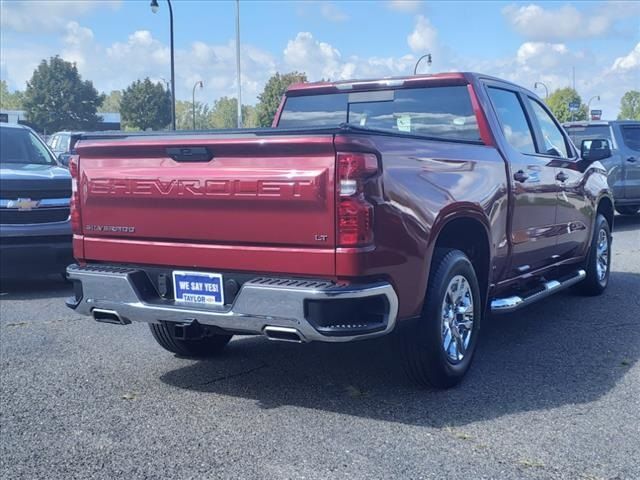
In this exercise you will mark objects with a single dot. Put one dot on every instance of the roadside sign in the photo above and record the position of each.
(596, 114)
(574, 106)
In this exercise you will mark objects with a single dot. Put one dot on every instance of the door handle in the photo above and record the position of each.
(520, 176)
(562, 177)
(190, 154)
(631, 159)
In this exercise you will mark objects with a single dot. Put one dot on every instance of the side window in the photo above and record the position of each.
(554, 142)
(631, 136)
(53, 142)
(512, 119)
(64, 143)
(38, 152)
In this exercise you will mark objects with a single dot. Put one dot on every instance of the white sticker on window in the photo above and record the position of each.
(404, 123)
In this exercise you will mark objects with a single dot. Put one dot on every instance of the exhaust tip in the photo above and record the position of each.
(283, 334)
(108, 316)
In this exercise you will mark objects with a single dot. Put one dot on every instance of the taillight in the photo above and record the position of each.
(74, 203)
(355, 214)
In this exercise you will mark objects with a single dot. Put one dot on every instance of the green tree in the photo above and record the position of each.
(272, 95)
(57, 98)
(145, 105)
(559, 102)
(184, 115)
(630, 106)
(111, 102)
(249, 116)
(224, 114)
(8, 100)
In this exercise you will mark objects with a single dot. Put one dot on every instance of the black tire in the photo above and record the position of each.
(422, 342)
(205, 347)
(628, 210)
(595, 283)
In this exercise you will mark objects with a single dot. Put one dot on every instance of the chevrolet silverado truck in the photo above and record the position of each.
(621, 157)
(410, 205)
(35, 232)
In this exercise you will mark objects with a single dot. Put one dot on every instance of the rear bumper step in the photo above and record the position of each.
(515, 302)
(281, 309)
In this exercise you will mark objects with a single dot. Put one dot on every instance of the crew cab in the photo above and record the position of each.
(411, 205)
(621, 152)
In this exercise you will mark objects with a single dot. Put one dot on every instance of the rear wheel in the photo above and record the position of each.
(439, 347)
(204, 347)
(599, 259)
(628, 209)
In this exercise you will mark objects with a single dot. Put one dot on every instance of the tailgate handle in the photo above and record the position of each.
(190, 154)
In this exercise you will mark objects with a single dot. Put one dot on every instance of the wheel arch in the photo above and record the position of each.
(466, 229)
(605, 207)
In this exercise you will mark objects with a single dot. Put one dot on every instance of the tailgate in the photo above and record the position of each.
(255, 192)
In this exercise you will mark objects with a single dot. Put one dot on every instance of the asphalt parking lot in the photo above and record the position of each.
(554, 393)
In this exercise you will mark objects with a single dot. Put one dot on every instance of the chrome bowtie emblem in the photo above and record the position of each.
(23, 204)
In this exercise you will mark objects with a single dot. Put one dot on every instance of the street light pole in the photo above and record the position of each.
(546, 90)
(239, 113)
(427, 56)
(164, 80)
(193, 101)
(154, 8)
(596, 97)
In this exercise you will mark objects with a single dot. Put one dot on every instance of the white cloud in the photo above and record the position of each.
(424, 36)
(140, 54)
(405, 6)
(542, 56)
(77, 35)
(47, 15)
(567, 22)
(629, 62)
(322, 60)
(331, 12)
(321, 8)
(318, 59)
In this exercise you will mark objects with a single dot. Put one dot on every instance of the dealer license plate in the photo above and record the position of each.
(198, 288)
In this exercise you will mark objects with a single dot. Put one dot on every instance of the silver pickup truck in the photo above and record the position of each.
(35, 233)
(623, 161)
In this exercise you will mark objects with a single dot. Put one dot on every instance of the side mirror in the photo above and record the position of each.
(595, 149)
(63, 158)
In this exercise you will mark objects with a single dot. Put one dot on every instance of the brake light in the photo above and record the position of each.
(74, 202)
(355, 214)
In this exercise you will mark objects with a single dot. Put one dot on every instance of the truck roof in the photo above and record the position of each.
(587, 123)
(404, 81)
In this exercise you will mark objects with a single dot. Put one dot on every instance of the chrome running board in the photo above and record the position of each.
(510, 304)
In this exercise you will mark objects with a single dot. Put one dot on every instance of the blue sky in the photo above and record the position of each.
(116, 42)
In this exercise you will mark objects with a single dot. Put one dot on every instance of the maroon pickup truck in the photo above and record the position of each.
(409, 205)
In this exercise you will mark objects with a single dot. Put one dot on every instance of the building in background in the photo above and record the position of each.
(110, 120)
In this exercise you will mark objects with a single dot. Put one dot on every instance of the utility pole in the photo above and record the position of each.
(193, 101)
(154, 8)
(238, 63)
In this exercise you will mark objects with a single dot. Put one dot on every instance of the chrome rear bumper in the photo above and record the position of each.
(262, 304)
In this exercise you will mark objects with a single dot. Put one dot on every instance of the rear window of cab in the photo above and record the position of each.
(438, 112)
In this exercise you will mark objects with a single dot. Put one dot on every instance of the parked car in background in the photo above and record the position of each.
(35, 232)
(62, 144)
(417, 204)
(623, 161)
